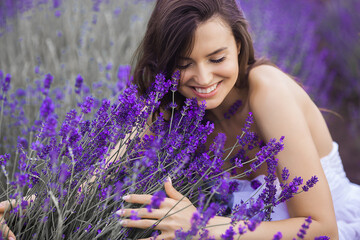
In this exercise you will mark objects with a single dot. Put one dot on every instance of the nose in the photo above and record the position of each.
(203, 75)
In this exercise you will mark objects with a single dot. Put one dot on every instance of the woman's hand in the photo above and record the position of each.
(5, 208)
(177, 208)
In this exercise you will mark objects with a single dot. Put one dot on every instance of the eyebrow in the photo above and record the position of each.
(210, 54)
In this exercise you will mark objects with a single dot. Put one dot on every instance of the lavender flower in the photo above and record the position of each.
(174, 81)
(180, 234)
(37, 146)
(64, 173)
(229, 234)
(4, 159)
(199, 221)
(278, 236)
(252, 224)
(50, 126)
(48, 80)
(134, 215)
(56, 3)
(118, 190)
(302, 232)
(156, 200)
(23, 142)
(290, 189)
(242, 229)
(109, 66)
(87, 105)
(21, 179)
(123, 76)
(71, 121)
(255, 184)
(47, 108)
(6, 83)
(310, 183)
(57, 14)
(285, 174)
(209, 213)
(267, 154)
(322, 238)
(37, 69)
(96, 5)
(20, 93)
(78, 84)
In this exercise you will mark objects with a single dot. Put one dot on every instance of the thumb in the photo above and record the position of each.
(5, 232)
(171, 191)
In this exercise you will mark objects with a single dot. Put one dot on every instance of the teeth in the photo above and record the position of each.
(206, 90)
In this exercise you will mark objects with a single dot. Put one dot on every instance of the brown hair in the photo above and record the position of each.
(170, 32)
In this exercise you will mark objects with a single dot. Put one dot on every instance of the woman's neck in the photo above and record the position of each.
(229, 109)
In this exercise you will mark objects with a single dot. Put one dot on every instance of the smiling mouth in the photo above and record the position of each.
(206, 90)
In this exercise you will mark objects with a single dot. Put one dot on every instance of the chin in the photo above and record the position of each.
(210, 104)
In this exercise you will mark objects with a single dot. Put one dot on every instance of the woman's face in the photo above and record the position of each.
(211, 70)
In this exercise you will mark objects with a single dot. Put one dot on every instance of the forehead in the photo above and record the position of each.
(211, 35)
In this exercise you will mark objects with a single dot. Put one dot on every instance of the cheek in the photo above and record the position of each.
(182, 82)
(185, 78)
(230, 69)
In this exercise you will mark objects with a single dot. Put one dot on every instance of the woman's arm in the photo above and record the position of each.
(279, 106)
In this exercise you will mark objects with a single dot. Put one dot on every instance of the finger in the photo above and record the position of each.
(138, 198)
(142, 223)
(5, 232)
(142, 213)
(12, 203)
(157, 237)
(160, 237)
(171, 191)
(5, 205)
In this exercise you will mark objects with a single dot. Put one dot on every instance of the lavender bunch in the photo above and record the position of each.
(58, 165)
(79, 173)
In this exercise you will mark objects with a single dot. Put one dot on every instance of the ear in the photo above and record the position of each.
(238, 45)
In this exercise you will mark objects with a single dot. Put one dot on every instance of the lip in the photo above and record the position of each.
(207, 95)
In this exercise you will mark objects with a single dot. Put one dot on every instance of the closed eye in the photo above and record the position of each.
(184, 66)
(218, 60)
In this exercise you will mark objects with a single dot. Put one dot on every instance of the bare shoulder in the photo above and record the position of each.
(270, 78)
(270, 86)
(282, 107)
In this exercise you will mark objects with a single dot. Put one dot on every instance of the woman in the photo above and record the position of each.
(208, 41)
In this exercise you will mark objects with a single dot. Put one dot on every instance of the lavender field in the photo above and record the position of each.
(66, 100)
(320, 46)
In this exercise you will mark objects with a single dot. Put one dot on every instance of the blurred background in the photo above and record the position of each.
(318, 42)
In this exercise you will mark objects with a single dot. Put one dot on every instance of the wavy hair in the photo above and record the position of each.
(170, 33)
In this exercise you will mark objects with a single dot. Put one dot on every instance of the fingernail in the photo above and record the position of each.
(126, 197)
(11, 238)
(122, 222)
(169, 180)
(120, 212)
(2, 204)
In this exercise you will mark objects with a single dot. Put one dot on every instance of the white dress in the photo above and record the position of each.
(345, 195)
